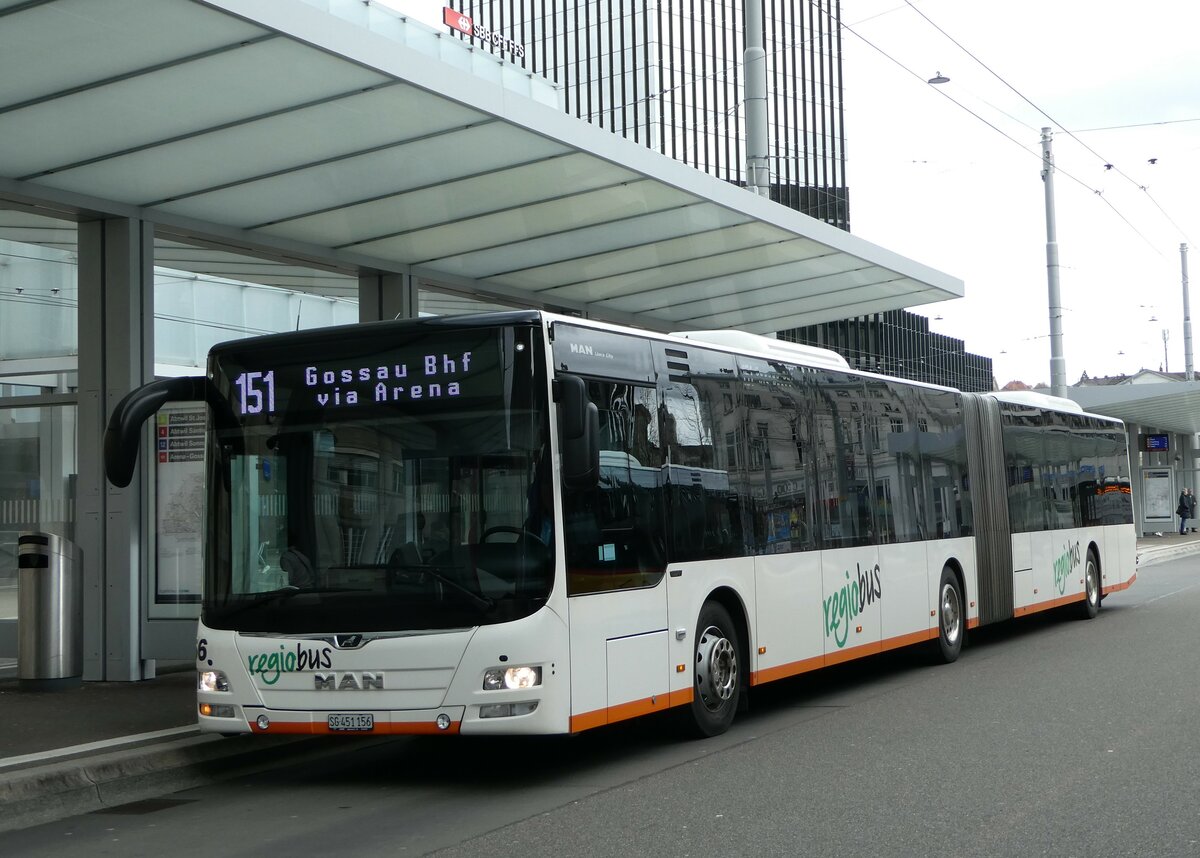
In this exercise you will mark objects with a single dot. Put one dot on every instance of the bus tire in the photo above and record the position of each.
(952, 619)
(1090, 606)
(716, 671)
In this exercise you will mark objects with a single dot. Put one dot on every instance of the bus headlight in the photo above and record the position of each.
(496, 678)
(212, 680)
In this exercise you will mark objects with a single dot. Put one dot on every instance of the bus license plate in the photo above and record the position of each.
(355, 722)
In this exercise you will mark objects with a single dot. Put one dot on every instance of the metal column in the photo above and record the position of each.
(385, 295)
(116, 339)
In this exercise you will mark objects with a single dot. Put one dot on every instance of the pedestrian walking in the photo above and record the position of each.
(1183, 509)
(1191, 507)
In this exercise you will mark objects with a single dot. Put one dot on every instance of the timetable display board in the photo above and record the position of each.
(179, 511)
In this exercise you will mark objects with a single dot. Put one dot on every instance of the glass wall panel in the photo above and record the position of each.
(39, 346)
(204, 296)
(39, 300)
(39, 304)
(37, 483)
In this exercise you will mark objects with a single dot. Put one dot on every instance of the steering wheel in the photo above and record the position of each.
(516, 531)
(521, 533)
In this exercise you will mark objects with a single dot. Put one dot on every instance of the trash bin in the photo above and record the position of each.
(49, 612)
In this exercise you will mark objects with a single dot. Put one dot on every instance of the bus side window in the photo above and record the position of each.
(614, 532)
(701, 436)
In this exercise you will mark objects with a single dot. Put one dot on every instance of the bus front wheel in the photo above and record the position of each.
(717, 672)
(952, 619)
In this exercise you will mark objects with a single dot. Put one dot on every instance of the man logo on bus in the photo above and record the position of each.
(1067, 562)
(849, 601)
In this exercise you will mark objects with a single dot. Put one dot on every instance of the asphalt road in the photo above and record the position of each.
(1049, 736)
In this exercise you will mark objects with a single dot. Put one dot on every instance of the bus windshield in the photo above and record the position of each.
(371, 483)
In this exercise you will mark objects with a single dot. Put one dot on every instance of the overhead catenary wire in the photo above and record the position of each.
(1023, 147)
(1065, 130)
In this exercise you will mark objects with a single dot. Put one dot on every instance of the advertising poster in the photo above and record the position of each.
(179, 475)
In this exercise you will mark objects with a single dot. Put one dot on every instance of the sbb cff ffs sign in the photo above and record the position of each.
(457, 21)
(463, 24)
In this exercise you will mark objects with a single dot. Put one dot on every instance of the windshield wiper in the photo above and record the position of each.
(284, 593)
(420, 569)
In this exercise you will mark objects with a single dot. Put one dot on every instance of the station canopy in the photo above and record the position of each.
(289, 129)
(1168, 406)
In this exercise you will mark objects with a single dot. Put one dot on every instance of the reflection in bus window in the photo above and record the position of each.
(704, 487)
(614, 532)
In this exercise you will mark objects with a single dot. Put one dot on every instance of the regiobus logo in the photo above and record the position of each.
(1066, 563)
(849, 600)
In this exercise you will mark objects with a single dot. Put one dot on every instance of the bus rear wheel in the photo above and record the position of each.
(717, 673)
(952, 618)
(1090, 606)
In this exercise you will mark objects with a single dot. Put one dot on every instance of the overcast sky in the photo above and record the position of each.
(963, 193)
(932, 182)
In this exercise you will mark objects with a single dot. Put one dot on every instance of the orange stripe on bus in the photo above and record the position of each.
(589, 720)
(794, 668)
(844, 655)
(632, 709)
(1118, 587)
(1048, 605)
(908, 640)
(681, 698)
(769, 674)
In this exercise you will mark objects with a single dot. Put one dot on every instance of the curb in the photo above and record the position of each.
(34, 796)
(1149, 557)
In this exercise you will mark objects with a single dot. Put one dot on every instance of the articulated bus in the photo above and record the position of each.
(530, 523)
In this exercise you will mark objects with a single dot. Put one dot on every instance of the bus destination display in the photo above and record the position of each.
(430, 376)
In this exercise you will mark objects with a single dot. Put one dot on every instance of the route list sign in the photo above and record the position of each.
(179, 480)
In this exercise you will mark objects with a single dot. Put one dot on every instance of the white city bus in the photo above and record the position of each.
(528, 523)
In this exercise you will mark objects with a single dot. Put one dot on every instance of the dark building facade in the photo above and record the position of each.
(899, 343)
(669, 76)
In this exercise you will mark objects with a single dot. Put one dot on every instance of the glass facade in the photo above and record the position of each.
(39, 302)
(899, 343)
(669, 76)
(38, 415)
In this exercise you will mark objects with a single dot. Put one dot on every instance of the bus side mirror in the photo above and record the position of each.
(579, 425)
(125, 423)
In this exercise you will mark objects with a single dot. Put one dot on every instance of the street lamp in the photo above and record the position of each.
(939, 78)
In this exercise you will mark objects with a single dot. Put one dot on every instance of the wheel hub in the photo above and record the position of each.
(716, 668)
(951, 619)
